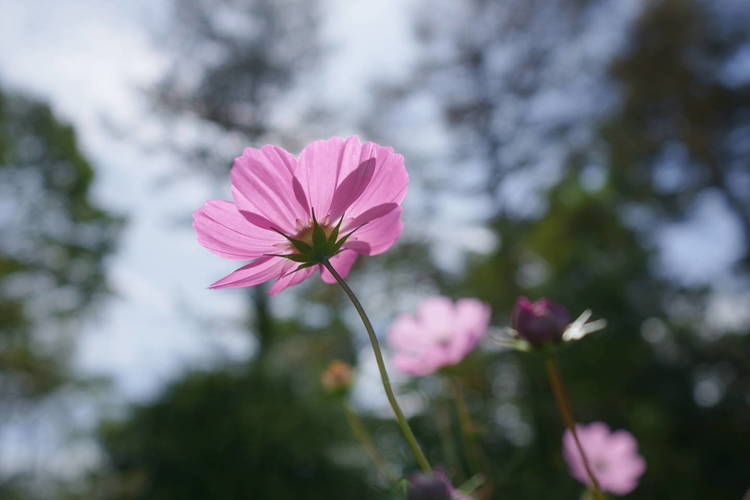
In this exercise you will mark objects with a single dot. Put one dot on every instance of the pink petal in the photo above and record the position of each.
(622, 443)
(291, 278)
(262, 182)
(378, 235)
(442, 334)
(388, 183)
(617, 451)
(325, 165)
(342, 263)
(221, 229)
(368, 216)
(405, 334)
(470, 322)
(436, 315)
(322, 166)
(413, 365)
(351, 188)
(259, 271)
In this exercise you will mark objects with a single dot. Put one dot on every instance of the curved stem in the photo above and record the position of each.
(555, 381)
(360, 431)
(424, 464)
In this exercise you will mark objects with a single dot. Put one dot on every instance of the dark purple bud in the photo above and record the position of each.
(428, 487)
(541, 321)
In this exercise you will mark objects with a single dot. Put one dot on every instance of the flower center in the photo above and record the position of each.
(306, 233)
(314, 243)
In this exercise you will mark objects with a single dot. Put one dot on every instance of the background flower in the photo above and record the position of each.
(277, 196)
(613, 457)
(435, 486)
(441, 334)
(541, 321)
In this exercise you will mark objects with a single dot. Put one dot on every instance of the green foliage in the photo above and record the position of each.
(235, 435)
(54, 242)
(678, 132)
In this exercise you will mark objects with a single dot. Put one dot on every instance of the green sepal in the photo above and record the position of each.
(401, 487)
(300, 245)
(320, 242)
(292, 256)
(304, 266)
(472, 484)
(335, 233)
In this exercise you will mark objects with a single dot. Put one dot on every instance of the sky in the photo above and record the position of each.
(91, 60)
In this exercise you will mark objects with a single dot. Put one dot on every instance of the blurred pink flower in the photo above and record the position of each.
(442, 334)
(277, 196)
(613, 457)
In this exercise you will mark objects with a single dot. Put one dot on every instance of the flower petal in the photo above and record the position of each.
(221, 229)
(369, 215)
(322, 166)
(262, 182)
(378, 235)
(406, 334)
(291, 278)
(259, 271)
(342, 263)
(351, 188)
(389, 180)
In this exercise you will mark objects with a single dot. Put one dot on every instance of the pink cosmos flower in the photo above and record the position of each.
(337, 200)
(442, 334)
(613, 457)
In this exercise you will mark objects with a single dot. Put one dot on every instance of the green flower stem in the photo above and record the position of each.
(555, 381)
(447, 442)
(468, 429)
(360, 431)
(424, 464)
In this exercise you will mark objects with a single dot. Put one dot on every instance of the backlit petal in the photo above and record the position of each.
(259, 271)
(221, 229)
(291, 277)
(342, 263)
(263, 184)
(378, 235)
(351, 188)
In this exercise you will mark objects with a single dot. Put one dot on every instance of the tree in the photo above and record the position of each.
(235, 434)
(572, 236)
(55, 240)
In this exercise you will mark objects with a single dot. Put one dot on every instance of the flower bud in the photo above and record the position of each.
(428, 487)
(337, 378)
(539, 322)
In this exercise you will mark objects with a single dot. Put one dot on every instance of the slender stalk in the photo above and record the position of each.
(468, 430)
(360, 431)
(448, 444)
(477, 459)
(424, 464)
(555, 381)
